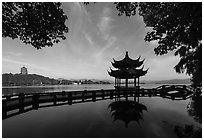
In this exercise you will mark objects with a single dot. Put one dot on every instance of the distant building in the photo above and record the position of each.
(24, 70)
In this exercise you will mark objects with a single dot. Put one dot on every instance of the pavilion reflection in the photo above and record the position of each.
(127, 111)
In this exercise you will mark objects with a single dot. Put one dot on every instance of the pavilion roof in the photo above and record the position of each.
(127, 73)
(127, 62)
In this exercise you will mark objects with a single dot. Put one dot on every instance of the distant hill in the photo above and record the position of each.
(10, 79)
(93, 80)
(26, 80)
(60, 79)
(172, 81)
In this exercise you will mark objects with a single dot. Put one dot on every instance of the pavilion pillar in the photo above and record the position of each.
(138, 82)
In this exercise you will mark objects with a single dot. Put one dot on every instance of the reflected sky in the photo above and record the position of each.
(94, 119)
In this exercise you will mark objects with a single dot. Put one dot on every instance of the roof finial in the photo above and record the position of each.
(126, 53)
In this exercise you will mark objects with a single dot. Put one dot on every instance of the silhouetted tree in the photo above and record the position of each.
(37, 23)
(188, 131)
(194, 108)
(176, 26)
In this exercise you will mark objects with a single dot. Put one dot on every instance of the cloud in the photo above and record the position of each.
(111, 41)
(25, 64)
(81, 7)
(89, 38)
(14, 54)
(104, 26)
(104, 23)
(99, 55)
(79, 19)
(162, 68)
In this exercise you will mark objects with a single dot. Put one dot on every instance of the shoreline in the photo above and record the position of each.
(33, 86)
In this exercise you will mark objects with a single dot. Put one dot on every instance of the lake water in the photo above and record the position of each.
(58, 88)
(160, 118)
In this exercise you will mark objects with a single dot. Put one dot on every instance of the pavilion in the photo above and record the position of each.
(127, 68)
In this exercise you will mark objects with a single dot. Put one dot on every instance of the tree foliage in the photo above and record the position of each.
(188, 131)
(127, 8)
(194, 108)
(37, 23)
(177, 26)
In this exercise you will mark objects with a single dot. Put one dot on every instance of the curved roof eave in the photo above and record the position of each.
(123, 74)
(126, 58)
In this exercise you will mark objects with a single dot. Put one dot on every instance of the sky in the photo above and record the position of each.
(96, 36)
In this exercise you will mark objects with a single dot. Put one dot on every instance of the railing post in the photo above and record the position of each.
(8, 97)
(55, 98)
(172, 97)
(138, 98)
(93, 96)
(162, 95)
(64, 96)
(138, 95)
(103, 94)
(4, 104)
(134, 96)
(35, 101)
(111, 95)
(70, 98)
(118, 95)
(184, 97)
(21, 102)
(126, 96)
(4, 109)
(83, 93)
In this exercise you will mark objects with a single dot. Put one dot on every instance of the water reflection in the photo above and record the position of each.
(127, 111)
(94, 120)
(194, 110)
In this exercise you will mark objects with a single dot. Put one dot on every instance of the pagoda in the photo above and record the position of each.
(127, 68)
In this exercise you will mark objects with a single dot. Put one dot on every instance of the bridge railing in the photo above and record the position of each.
(37, 100)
